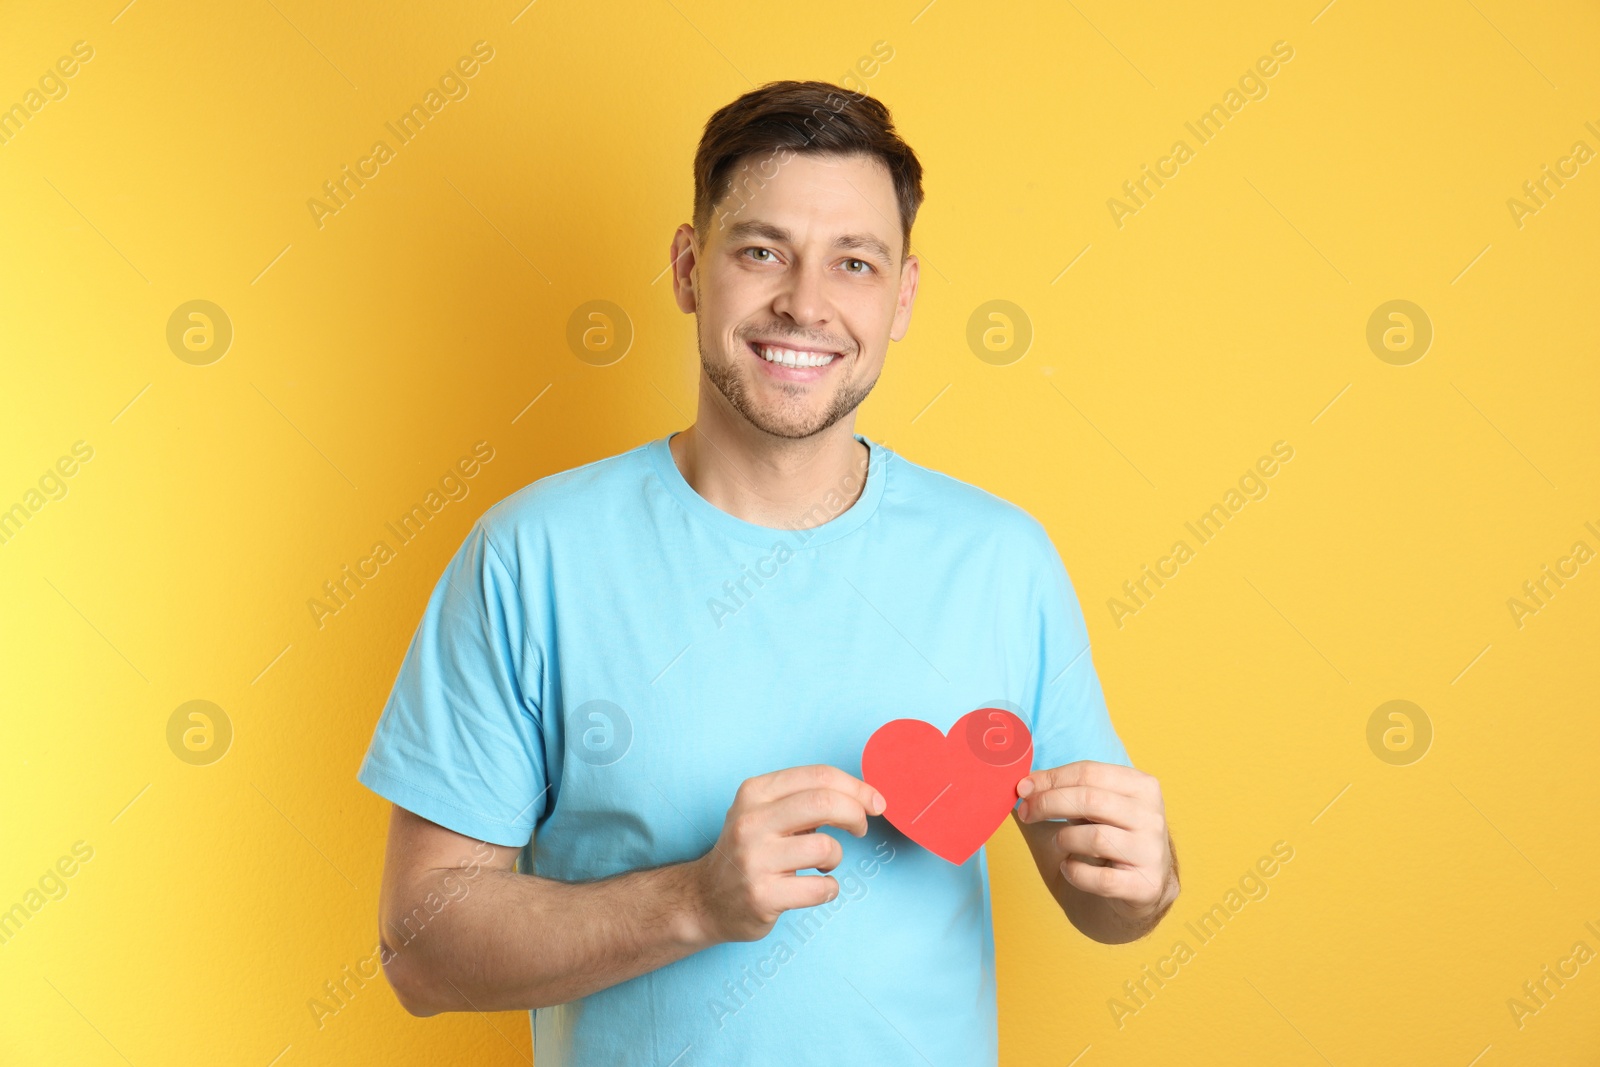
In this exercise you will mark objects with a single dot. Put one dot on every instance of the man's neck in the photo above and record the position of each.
(785, 483)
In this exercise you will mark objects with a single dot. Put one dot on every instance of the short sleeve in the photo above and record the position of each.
(1071, 719)
(459, 740)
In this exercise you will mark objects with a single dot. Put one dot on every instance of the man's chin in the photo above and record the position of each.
(794, 428)
(772, 409)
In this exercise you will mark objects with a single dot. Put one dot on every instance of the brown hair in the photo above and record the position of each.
(807, 118)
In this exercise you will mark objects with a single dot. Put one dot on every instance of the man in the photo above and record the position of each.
(662, 667)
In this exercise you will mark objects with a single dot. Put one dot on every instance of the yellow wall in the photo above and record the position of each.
(1226, 314)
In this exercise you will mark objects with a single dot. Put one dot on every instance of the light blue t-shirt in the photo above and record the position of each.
(609, 655)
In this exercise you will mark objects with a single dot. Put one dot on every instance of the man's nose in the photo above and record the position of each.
(803, 298)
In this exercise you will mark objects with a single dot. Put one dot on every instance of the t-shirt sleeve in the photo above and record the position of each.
(1071, 721)
(459, 740)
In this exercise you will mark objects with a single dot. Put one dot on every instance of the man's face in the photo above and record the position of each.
(797, 288)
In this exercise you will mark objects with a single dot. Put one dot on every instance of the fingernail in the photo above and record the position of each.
(878, 803)
(1024, 787)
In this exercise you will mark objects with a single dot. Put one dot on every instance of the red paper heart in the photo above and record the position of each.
(949, 792)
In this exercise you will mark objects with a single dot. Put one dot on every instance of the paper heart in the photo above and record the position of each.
(949, 792)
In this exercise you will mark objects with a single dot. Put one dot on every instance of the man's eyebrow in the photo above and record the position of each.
(741, 231)
(865, 241)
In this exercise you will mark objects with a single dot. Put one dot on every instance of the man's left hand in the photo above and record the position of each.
(1115, 842)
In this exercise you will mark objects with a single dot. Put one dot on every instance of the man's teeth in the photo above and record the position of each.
(790, 357)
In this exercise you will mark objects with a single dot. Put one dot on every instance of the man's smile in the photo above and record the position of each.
(793, 364)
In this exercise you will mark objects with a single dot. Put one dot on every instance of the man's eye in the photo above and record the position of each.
(768, 251)
(863, 262)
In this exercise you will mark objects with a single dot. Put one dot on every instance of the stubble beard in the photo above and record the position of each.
(791, 421)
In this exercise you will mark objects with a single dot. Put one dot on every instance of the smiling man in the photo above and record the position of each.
(651, 678)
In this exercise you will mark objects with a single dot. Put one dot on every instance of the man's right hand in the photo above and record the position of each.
(748, 880)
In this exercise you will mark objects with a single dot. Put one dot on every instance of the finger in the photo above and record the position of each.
(1111, 777)
(1103, 842)
(1118, 882)
(769, 787)
(1084, 802)
(805, 851)
(1104, 846)
(811, 808)
(805, 890)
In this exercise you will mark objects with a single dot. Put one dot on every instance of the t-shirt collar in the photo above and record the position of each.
(840, 524)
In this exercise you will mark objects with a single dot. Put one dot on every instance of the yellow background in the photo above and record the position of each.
(1229, 313)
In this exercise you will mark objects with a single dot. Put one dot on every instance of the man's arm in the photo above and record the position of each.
(1099, 836)
(462, 930)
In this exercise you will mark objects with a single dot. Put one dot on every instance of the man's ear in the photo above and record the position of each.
(905, 300)
(684, 253)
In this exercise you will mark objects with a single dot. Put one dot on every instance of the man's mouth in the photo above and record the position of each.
(794, 362)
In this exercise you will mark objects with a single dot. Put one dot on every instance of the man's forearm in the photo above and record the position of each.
(515, 941)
